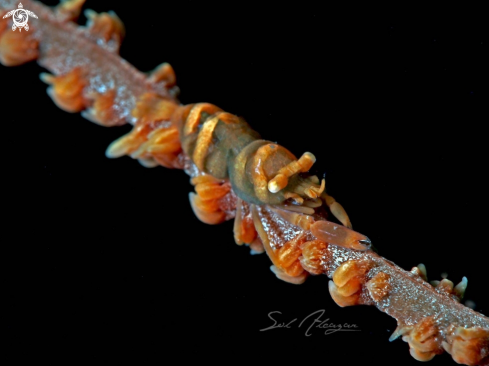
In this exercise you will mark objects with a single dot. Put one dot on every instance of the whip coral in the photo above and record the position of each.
(277, 205)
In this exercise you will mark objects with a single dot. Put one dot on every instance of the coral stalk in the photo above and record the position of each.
(278, 207)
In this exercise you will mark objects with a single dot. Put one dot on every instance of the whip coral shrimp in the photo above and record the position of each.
(362, 133)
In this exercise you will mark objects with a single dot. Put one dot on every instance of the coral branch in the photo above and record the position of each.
(422, 311)
(65, 47)
(277, 210)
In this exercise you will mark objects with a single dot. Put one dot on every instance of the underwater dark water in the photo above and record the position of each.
(108, 250)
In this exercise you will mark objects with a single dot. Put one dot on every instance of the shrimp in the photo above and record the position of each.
(255, 210)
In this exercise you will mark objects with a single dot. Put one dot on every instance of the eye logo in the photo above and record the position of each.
(20, 17)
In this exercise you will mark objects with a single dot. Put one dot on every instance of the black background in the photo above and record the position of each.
(107, 254)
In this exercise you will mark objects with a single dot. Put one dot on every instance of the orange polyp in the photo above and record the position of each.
(348, 279)
(151, 108)
(67, 90)
(164, 73)
(101, 111)
(312, 252)
(209, 191)
(129, 143)
(163, 148)
(348, 270)
(340, 299)
(339, 235)
(421, 356)
(162, 145)
(379, 286)
(287, 265)
(17, 48)
(470, 346)
(352, 287)
(207, 206)
(153, 137)
(162, 141)
(297, 278)
(206, 203)
(211, 218)
(70, 9)
(288, 254)
(423, 340)
(106, 26)
(295, 269)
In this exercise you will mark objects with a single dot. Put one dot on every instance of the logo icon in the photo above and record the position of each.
(20, 17)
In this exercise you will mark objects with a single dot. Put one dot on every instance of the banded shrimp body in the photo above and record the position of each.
(377, 133)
